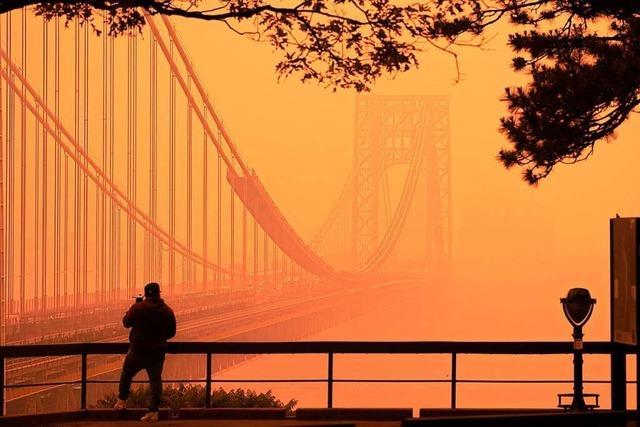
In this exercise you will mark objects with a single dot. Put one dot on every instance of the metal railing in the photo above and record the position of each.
(618, 353)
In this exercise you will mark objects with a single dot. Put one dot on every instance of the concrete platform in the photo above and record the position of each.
(230, 423)
(342, 417)
(354, 414)
(537, 419)
(223, 417)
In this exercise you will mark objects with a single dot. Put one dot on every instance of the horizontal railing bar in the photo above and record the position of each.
(41, 384)
(461, 381)
(324, 347)
(532, 381)
(385, 380)
(143, 381)
(216, 381)
(292, 380)
(322, 380)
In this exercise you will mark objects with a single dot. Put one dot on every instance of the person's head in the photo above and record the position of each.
(152, 290)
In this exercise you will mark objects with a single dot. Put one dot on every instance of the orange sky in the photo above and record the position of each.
(514, 245)
(517, 249)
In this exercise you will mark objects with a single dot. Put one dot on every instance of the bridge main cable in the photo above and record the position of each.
(108, 187)
(185, 88)
(246, 186)
(255, 197)
(203, 93)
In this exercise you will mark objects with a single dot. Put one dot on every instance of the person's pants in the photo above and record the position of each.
(133, 364)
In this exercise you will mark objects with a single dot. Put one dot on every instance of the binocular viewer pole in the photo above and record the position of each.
(578, 390)
(578, 307)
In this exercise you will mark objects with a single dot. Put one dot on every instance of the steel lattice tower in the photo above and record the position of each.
(389, 131)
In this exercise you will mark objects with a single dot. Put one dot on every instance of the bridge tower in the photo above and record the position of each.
(396, 130)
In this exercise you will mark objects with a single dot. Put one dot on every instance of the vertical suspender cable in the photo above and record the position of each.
(3, 243)
(85, 185)
(103, 199)
(77, 218)
(151, 247)
(220, 275)
(190, 264)
(244, 245)
(23, 173)
(45, 90)
(65, 230)
(130, 132)
(172, 175)
(115, 211)
(134, 182)
(147, 235)
(57, 172)
(283, 266)
(205, 202)
(255, 252)
(265, 253)
(114, 282)
(342, 231)
(274, 263)
(156, 243)
(232, 216)
(122, 292)
(151, 145)
(131, 126)
(36, 225)
(10, 125)
(346, 229)
(154, 152)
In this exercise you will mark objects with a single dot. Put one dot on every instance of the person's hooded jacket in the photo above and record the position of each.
(152, 323)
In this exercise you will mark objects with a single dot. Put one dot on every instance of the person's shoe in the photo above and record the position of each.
(120, 404)
(150, 417)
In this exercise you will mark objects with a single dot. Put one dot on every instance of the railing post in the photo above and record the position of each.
(207, 387)
(83, 381)
(454, 369)
(330, 380)
(618, 380)
(637, 371)
(2, 378)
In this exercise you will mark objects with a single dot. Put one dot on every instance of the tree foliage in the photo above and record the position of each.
(193, 396)
(339, 43)
(582, 56)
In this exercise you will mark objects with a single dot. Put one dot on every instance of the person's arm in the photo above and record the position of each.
(128, 319)
(171, 332)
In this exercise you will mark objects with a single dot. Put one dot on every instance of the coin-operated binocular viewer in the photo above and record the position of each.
(578, 307)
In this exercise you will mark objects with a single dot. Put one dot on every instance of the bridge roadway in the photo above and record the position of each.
(108, 328)
(190, 327)
(248, 323)
(92, 323)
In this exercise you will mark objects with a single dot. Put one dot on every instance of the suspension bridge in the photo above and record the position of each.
(117, 170)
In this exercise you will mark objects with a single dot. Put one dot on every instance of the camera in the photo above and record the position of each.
(138, 298)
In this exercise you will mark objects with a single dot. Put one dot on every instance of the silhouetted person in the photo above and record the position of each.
(152, 323)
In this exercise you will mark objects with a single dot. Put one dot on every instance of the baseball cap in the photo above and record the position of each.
(151, 290)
